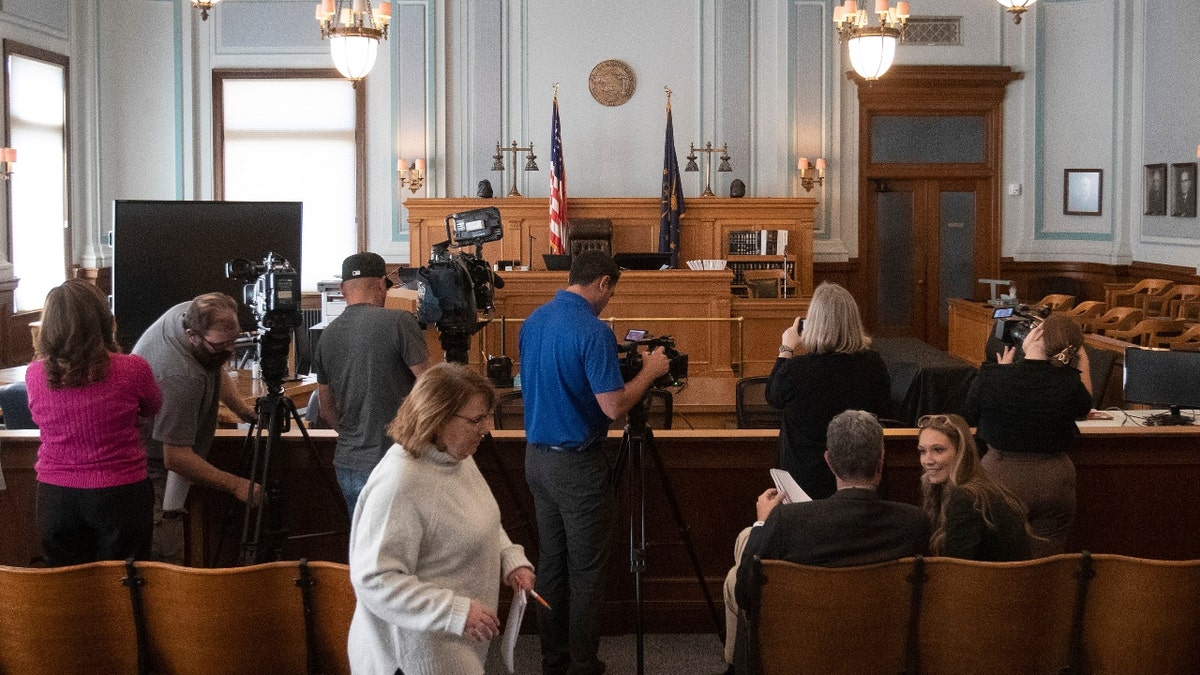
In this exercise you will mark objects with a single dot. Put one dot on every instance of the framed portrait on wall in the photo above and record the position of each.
(1082, 191)
(1183, 190)
(1155, 186)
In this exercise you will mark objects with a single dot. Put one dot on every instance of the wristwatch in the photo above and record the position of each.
(758, 523)
(785, 348)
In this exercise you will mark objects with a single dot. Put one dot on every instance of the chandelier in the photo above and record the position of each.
(354, 32)
(872, 48)
(1016, 8)
(204, 6)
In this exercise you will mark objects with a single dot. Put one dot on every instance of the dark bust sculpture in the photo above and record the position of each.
(737, 188)
(485, 189)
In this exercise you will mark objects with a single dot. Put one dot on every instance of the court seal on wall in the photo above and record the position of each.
(612, 82)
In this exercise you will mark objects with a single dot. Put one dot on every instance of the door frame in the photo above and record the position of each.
(933, 91)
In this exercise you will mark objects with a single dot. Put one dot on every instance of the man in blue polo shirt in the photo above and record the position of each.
(572, 389)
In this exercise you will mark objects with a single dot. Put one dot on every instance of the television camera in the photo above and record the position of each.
(272, 293)
(457, 285)
(631, 358)
(1014, 323)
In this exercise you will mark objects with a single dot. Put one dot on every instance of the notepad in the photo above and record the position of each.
(792, 492)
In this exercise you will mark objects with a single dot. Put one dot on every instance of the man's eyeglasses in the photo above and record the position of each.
(217, 346)
(474, 420)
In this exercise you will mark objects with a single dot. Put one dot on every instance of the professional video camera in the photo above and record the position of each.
(273, 295)
(456, 286)
(1014, 323)
(631, 358)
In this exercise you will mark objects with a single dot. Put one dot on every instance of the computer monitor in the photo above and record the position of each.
(642, 261)
(1163, 378)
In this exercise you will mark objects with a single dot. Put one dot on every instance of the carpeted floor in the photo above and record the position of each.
(664, 654)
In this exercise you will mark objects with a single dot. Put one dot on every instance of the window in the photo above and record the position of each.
(295, 136)
(36, 110)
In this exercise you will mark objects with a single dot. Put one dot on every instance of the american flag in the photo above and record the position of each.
(558, 184)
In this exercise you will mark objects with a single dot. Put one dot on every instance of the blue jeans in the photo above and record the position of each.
(352, 482)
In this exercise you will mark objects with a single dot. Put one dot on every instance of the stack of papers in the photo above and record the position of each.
(708, 264)
(792, 492)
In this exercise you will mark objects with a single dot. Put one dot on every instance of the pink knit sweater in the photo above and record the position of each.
(90, 433)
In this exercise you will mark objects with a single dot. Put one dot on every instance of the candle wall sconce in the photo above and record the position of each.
(498, 163)
(723, 167)
(811, 175)
(8, 157)
(414, 176)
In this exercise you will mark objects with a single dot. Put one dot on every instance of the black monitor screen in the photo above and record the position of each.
(642, 261)
(1162, 378)
(166, 252)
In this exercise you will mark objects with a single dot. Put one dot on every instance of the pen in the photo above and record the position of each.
(539, 598)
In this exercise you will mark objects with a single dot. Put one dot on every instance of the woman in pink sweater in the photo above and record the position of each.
(94, 499)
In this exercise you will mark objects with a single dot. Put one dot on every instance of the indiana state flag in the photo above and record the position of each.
(672, 197)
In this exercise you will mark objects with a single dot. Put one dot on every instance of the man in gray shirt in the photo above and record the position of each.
(366, 363)
(187, 348)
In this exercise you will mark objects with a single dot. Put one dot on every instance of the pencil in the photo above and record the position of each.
(539, 598)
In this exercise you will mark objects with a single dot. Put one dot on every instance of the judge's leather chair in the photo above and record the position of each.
(14, 401)
(588, 234)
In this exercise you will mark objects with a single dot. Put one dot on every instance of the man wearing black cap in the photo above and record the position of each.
(366, 363)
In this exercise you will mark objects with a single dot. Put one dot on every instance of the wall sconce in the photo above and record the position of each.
(413, 177)
(724, 166)
(204, 6)
(498, 163)
(810, 176)
(1016, 8)
(8, 157)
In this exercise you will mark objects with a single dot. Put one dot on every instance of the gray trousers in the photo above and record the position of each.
(575, 500)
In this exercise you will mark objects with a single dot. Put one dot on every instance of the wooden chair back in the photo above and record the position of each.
(333, 603)
(1126, 295)
(1142, 616)
(1117, 318)
(832, 620)
(764, 283)
(66, 620)
(997, 617)
(1058, 302)
(1185, 310)
(1165, 302)
(226, 620)
(1086, 313)
(1148, 332)
(1187, 340)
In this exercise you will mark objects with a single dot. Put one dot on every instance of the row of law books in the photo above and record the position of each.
(758, 242)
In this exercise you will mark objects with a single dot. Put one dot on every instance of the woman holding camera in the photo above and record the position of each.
(973, 518)
(1025, 411)
(94, 498)
(427, 551)
(825, 366)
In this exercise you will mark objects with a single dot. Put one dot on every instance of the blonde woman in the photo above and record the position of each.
(825, 366)
(972, 516)
(427, 551)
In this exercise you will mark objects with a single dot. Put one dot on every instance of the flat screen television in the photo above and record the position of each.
(167, 252)
(1164, 379)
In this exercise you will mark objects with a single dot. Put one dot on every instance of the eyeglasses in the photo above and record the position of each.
(217, 346)
(476, 421)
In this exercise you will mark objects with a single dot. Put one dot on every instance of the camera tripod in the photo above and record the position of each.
(636, 443)
(263, 531)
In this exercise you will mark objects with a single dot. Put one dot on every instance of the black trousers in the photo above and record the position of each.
(81, 525)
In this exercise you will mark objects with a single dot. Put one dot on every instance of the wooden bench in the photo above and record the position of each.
(1071, 613)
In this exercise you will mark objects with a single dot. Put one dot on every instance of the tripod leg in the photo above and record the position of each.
(684, 533)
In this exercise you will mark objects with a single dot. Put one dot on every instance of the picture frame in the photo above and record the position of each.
(1154, 186)
(1083, 192)
(1183, 190)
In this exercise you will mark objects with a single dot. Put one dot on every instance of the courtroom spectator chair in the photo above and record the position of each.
(66, 620)
(1013, 617)
(1186, 310)
(209, 621)
(751, 407)
(1117, 318)
(1134, 295)
(1086, 313)
(1058, 302)
(1187, 340)
(1148, 332)
(14, 401)
(1142, 616)
(831, 620)
(1163, 303)
(332, 608)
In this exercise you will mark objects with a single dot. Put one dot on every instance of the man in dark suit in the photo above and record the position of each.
(852, 527)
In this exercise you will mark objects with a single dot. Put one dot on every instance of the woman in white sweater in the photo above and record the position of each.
(427, 550)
